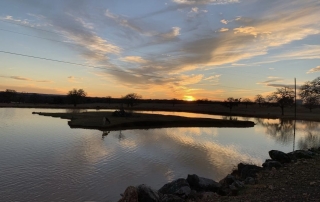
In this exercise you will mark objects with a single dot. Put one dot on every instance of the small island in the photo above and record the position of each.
(110, 121)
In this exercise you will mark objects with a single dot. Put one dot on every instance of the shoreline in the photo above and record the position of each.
(209, 109)
(292, 176)
(94, 120)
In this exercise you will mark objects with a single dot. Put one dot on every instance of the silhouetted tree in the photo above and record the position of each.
(75, 96)
(108, 99)
(131, 99)
(284, 97)
(259, 99)
(10, 95)
(231, 102)
(310, 93)
(174, 101)
(246, 101)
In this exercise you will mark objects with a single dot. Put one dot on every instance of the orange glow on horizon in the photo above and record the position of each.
(188, 98)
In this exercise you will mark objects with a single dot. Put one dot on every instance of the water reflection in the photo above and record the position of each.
(42, 155)
(74, 110)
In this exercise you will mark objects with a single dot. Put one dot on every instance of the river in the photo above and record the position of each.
(42, 159)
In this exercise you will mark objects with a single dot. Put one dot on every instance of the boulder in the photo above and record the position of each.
(279, 156)
(171, 198)
(203, 184)
(130, 195)
(228, 180)
(268, 164)
(301, 154)
(249, 180)
(179, 187)
(247, 170)
(147, 194)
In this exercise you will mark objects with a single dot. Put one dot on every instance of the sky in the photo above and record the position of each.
(183, 49)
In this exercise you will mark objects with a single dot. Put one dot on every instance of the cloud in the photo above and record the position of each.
(73, 79)
(214, 77)
(270, 80)
(174, 33)
(313, 70)
(134, 59)
(25, 79)
(301, 53)
(224, 21)
(195, 2)
(223, 30)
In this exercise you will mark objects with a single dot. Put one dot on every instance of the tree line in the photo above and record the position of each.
(284, 97)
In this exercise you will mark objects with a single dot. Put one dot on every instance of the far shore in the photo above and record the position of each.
(212, 109)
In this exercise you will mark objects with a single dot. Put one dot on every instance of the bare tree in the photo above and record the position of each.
(75, 96)
(231, 102)
(131, 99)
(259, 99)
(310, 93)
(246, 101)
(284, 97)
(10, 95)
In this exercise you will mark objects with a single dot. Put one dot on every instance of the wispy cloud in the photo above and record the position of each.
(313, 70)
(20, 78)
(194, 2)
(134, 59)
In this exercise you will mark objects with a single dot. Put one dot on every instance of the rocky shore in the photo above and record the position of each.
(293, 176)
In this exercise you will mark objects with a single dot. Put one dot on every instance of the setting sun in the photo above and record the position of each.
(188, 98)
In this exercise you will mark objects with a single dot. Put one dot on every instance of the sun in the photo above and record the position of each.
(188, 98)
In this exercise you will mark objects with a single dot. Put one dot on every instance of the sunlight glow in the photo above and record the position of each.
(188, 98)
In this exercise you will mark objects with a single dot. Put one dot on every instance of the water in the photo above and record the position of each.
(42, 159)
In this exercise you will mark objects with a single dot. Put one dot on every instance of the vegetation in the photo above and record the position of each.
(231, 102)
(247, 102)
(284, 97)
(131, 99)
(310, 93)
(259, 99)
(75, 96)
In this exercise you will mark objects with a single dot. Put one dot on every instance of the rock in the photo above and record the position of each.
(238, 184)
(250, 180)
(203, 184)
(228, 180)
(302, 154)
(147, 194)
(130, 195)
(279, 156)
(246, 170)
(234, 190)
(178, 187)
(171, 198)
(224, 191)
(268, 164)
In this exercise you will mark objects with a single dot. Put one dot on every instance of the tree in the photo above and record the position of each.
(284, 97)
(246, 101)
(75, 96)
(131, 99)
(259, 99)
(10, 95)
(231, 102)
(310, 93)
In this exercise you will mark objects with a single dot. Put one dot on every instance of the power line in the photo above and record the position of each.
(34, 36)
(73, 63)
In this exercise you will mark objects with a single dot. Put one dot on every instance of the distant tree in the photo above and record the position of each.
(108, 99)
(231, 102)
(174, 101)
(131, 99)
(75, 96)
(259, 99)
(246, 101)
(35, 98)
(284, 97)
(10, 95)
(310, 93)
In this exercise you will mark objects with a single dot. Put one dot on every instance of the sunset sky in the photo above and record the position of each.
(166, 49)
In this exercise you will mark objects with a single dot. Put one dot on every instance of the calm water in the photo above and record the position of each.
(42, 159)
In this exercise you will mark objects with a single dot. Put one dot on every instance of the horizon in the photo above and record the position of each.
(183, 49)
